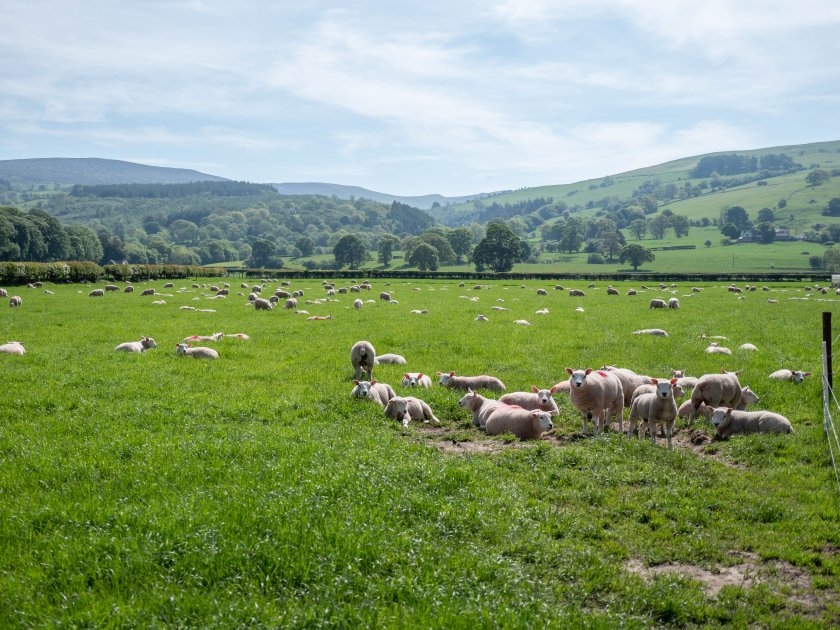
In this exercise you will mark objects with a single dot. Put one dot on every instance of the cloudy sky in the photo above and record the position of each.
(415, 97)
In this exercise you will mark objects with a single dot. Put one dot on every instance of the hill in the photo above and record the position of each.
(94, 171)
(424, 202)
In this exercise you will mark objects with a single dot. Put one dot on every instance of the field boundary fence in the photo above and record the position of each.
(830, 399)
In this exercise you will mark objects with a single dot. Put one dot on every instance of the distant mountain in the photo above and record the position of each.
(424, 202)
(95, 171)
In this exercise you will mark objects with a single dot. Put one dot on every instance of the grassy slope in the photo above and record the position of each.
(148, 489)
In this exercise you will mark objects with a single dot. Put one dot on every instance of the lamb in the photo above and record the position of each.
(213, 337)
(290, 303)
(363, 358)
(651, 388)
(523, 423)
(657, 303)
(261, 304)
(480, 406)
(596, 397)
(539, 399)
(470, 382)
(795, 376)
(655, 408)
(416, 379)
(238, 336)
(357, 304)
(380, 393)
(728, 422)
(136, 346)
(199, 352)
(716, 348)
(673, 303)
(715, 390)
(15, 300)
(658, 332)
(390, 358)
(522, 322)
(13, 347)
(407, 408)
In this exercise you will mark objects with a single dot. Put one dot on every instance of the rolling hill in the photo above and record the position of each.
(424, 202)
(94, 171)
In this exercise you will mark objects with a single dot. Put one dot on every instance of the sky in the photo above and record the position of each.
(413, 98)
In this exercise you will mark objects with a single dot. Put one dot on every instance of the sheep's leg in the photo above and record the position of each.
(619, 413)
(598, 422)
(643, 428)
(652, 430)
(669, 430)
(406, 420)
(631, 427)
(586, 416)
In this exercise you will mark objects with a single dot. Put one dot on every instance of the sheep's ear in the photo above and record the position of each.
(570, 371)
(452, 373)
(535, 389)
(588, 371)
(553, 389)
(419, 376)
(438, 373)
(806, 374)
(355, 382)
(373, 382)
(728, 410)
(723, 370)
(674, 381)
(654, 381)
(405, 375)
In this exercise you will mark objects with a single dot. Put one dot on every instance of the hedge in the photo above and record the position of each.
(71, 271)
(159, 272)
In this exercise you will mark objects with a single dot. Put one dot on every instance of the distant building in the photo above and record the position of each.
(782, 234)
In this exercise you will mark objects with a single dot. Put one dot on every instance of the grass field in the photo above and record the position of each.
(155, 490)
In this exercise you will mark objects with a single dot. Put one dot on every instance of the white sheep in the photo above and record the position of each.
(480, 406)
(380, 393)
(542, 311)
(576, 293)
(4, 293)
(13, 347)
(159, 302)
(136, 346)
(144, 292)
(651, 388)
(419, 312)
(390, 358)
(199, 352)
(716, 390)
(629, 381)
(657, 303)
(194, 338)
(290, 303)
(539, 399)
(716, 348)
(470, 382)
(658, 332)
(363, 358)
(238, 336)
(673, 303)
(522, 322)
(523, 423)
(407, 408)
(97, 293)
(728, 421)
(416, 379)
(481, 318)
(597, 395)
(655, 408)
(747, 346)
(795, 376)
(15, 300)
(357, 304)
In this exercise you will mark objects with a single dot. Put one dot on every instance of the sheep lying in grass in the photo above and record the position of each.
(407, 408)
(539, 399)
(597, 395)
(523, 423)
(480, 406)
(380, 393)
(716, 348)
(655, 408)
(728, 421)
(657, 332)
(795, 376)
(719, 390)
(213, 337)
(747, 346)
(13, 347)
(389, 358)
(470, 382)
(238, 336)
(199, 352)
(357, 304)
(363, 358)
(136, 346)
(416, 379)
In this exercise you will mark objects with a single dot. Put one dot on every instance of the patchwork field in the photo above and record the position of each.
(150, 489)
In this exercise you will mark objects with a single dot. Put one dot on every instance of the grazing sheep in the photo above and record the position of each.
(673, 303)
(416, 379)
(658, 332)
(716, 348)
(96, 293)
(470, 382)
(394, 359)
(523, 423)
(795, 376)
(539, 399)
(357, 304)
(261, 304)
(631, 292)
(159, 302)
(15, 300)
(481, 318)
(128, 289)
(13, 347)
(747, 346)
(715, 390)
(213, 337)
(655, 408)
(280, 294)
(612, 291)
(111, 287)
(597, 395)
(363, 358)
(4, 293)
(728, 422)
(290, 303)
(380, 393)
(657, 303)
(168, 285)
(136, 346)
(145, 292)
(480, 406)
(385, 297)
(576, 293)
(199, 352)
(407, 408)
(542, 292)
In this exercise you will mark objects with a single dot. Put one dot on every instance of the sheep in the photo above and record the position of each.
(416, 379)
(238, 336)
(280, 294)
(213, 337)
(317, 318)
(128, 289)
(13, 347)
(629, 381)
(523, 423)
(48, 292)
(650, 388)
(470, 382)
(407, 408)
(576, 293)
(655, 408)
(149, 291)
(380, 393)
(419, 312)
(481, 318)
(728, 422)
(596, 397)
(542, 292)
(579, 309)
(539, 399)
(612, 291)
(363, 358)
(394, 359)
(168, 285)
(111, 287)
(715, 390)
(499, 308)
(747, 346)
(357, 304)
(159, 302)
(542, 311)
(290, 303)
(673, 303)
(15, 300)
(522, 322)
(261, 304)
(657, 303)
(4, 293)
(480, 406)
(716, 348)
(97, 293)
(795, 376)
(136, 346)
(657, 332)
(199, 352)
(631, 292)
(385, 297)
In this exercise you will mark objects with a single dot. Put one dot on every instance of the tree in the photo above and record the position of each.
(635, 254)
(707, 243)
(817, 177)
(305, 245)
(572, 237)
(262, 251)
(424, 257)
(498, 250)
(440, 243)
(610, 244)
(385, 249)
(658, 226)
(766, 215)
(737, 216)
(765, 233)
(638, 228)
(831, 259)
(680, 224)
(833, 208)
(350, 250)
(731, 230)
(460, 240)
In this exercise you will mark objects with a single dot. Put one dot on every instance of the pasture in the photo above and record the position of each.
(151, 490)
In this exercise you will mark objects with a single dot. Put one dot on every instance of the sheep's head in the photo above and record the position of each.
(578, 377)
(363, 388)
(799, 376)
(748, 396)
(445, 378)
(181, 348)
(148, 342)
(543, 395)
(468, 399)
(721, 417)
(664, 389)
(543, 419)
(677, 373)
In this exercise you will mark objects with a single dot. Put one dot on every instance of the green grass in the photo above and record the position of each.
(151, 490)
